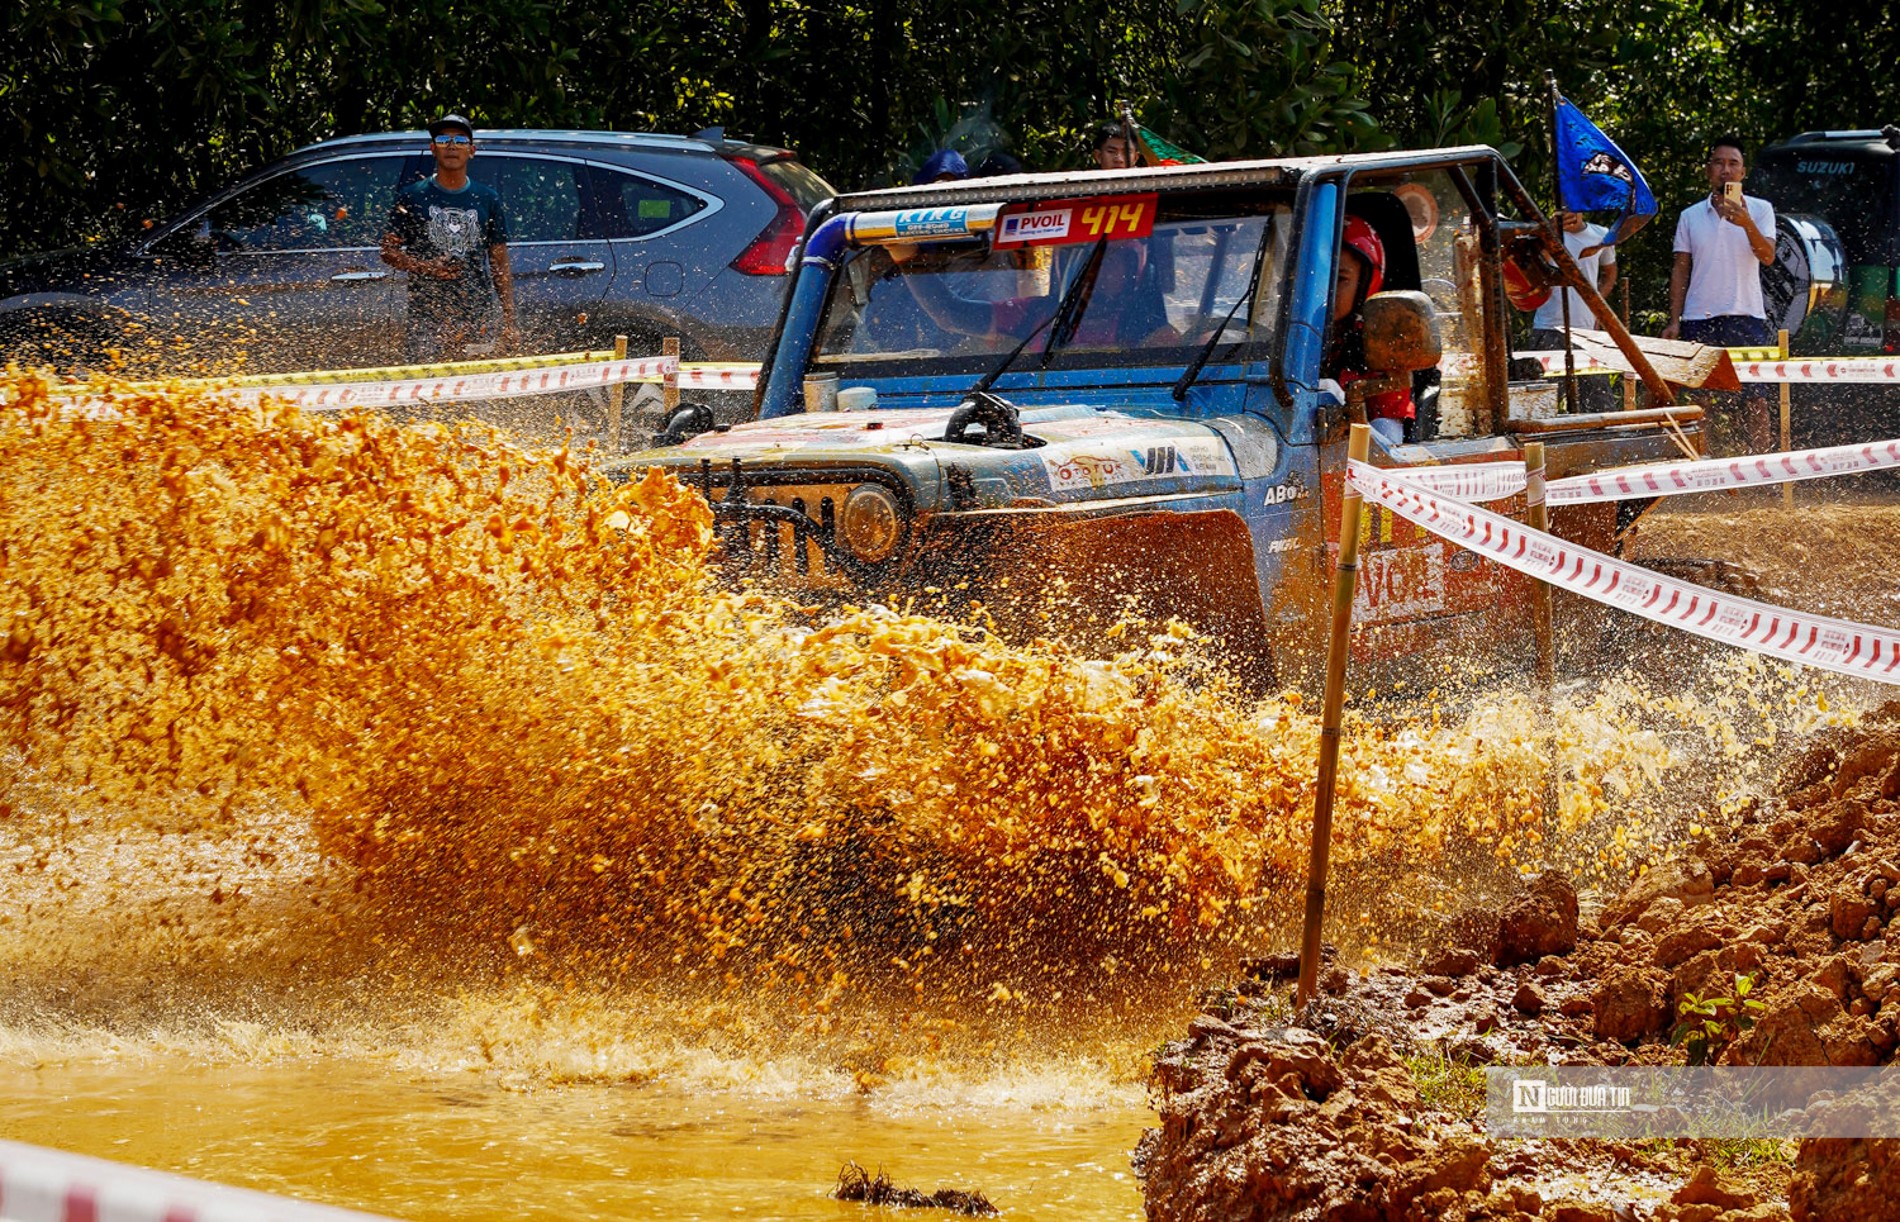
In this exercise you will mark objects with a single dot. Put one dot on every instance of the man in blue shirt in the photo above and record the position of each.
(451, 236)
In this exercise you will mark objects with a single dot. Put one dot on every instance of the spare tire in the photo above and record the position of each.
(1805, 289)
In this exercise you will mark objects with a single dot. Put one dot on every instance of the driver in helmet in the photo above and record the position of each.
(1360, 274)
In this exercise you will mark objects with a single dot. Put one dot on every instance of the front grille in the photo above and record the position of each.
(780, 547)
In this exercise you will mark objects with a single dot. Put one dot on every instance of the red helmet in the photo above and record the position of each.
(1361, 239)
(1520, 288)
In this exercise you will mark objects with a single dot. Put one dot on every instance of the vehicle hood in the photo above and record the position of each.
(1080, 453)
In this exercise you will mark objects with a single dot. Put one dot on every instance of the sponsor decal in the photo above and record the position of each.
(1066, 221)
(1046, 225)
(1402, 584)
(931, 223)
(1285, 494)
(1078, 465)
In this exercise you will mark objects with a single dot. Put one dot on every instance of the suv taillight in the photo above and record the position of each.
(767, 254)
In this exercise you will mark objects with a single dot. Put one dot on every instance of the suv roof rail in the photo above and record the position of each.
(1861, 133)
(695, 143)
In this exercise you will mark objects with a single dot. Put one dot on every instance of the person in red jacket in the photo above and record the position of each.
(1360, 274)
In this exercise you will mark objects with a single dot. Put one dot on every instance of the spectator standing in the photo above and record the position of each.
(450, 235)
(1547, 333)
(1115, 147)
(1722, 243)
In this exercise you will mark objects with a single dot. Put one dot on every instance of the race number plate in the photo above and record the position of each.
(1060, 222)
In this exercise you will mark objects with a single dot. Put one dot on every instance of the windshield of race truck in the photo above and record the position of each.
(1153, 297)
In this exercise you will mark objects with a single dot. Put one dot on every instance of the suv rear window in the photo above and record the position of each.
(806, 188)
(636, 206)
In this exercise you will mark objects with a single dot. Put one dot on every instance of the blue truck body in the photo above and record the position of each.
(1193, 472)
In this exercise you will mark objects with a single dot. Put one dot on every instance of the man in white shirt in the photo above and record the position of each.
(1722, 243)
(1547, 325)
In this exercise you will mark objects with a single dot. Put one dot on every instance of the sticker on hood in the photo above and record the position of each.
(1084, 466)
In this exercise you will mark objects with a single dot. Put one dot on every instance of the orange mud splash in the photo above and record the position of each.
(316, 697)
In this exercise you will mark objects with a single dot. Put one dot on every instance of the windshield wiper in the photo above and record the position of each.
(1193, 371)
(1067, 317)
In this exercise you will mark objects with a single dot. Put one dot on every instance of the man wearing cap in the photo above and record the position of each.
(451, 236)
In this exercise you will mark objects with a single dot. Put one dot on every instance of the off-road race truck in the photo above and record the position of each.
(1067, 396)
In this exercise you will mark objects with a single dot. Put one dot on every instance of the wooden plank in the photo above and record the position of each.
(1678, 362)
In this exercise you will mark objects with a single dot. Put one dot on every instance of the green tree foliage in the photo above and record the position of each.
(115, 111)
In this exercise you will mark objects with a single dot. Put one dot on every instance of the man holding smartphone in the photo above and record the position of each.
(1722, 243)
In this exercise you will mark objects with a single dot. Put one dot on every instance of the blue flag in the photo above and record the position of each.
(1593, 175)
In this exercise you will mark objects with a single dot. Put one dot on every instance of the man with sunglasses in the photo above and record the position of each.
(451, 236)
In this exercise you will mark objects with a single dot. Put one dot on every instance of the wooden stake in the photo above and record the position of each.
(1628, 380)
(670, 388)
(1537, 516)
(616, 398)
(1345, 584)
(1787, 429)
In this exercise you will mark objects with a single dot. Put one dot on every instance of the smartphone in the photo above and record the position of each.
(1732, 191)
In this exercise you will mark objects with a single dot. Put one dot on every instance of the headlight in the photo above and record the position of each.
(871, 523)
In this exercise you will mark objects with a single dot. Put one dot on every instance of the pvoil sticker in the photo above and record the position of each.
(1051, 226)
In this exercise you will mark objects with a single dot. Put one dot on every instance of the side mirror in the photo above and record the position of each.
(1401, 333)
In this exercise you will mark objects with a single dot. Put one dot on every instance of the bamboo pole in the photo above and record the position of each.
(616, 399)
(1787, 419)
(1345, 583)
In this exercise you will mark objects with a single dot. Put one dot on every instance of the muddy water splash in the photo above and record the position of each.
(293, 703)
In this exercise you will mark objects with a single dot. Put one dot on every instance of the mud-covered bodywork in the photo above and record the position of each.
(1066, 421)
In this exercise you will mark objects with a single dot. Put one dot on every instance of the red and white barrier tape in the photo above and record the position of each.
(1812, 640)
(1493, 481)
(1813, 369)
(452, 388)
(719, 377)
(1475, 482)
(1711, 473)
(508, 385)
(1820, 369)
(1553, 361)
(40, 1185)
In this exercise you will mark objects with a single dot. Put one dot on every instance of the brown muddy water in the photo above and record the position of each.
(426, 1146)
(404, 818)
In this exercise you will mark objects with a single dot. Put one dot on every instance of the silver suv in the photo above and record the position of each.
(610, 233)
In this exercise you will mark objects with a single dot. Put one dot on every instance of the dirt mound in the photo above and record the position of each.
(1766, 946)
